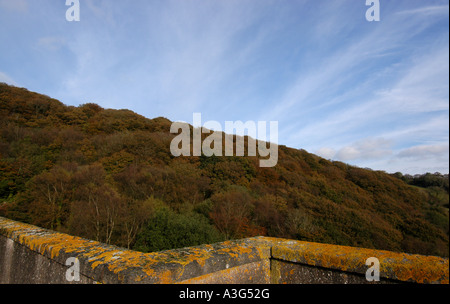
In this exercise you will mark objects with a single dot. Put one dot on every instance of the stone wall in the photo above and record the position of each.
(29, 254)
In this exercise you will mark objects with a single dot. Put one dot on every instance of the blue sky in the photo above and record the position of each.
(372, 94)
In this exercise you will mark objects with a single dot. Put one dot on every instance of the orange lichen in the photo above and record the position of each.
(397, 266)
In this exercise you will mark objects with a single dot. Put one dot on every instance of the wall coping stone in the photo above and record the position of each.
(110, 264)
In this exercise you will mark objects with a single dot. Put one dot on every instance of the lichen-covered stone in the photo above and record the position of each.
(29, 254)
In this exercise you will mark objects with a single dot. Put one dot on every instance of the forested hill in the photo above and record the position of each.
(108, 175)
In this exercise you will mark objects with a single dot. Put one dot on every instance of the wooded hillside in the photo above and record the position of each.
(108, 175)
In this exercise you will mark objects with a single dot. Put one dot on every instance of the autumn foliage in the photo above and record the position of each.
(108, 175)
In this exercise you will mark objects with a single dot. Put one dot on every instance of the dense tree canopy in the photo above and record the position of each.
(109, 175)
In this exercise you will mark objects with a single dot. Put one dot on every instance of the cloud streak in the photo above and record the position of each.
(7, 79)
(427, 10)
(398, 102)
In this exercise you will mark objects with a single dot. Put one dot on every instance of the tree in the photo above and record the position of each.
(136, 214)
(49, 195)
(169, 230)
(266, 214)
(97, 207)
(230, 212)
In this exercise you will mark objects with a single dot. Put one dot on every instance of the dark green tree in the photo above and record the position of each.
(169, 230)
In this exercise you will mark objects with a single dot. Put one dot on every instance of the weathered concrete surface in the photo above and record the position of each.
(29, 254)
(394, 266)
(283, 272)
(20, 265)
(252, 273)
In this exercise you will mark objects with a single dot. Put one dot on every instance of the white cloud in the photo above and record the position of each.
(421, 159)
(425, 152)
(348, 153)
(325, 152)
(368, 148)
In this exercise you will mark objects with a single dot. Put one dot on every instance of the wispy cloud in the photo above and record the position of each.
(404, 102)
(426, 10)
(424, 85)
(347, 62)
(7, 79)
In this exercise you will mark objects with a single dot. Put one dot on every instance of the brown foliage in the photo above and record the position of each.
(99, 172)
(230, 212)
